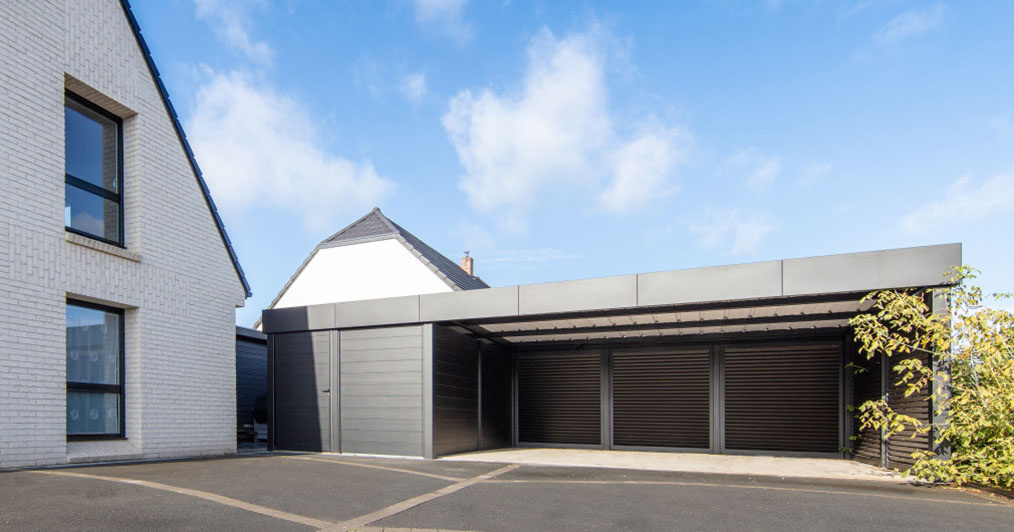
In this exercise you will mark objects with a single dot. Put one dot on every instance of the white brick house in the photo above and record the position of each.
(118, 285)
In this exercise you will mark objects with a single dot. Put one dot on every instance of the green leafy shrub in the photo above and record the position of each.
(976, 395)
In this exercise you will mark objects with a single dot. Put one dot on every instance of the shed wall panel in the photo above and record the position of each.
(251, 378)
(866, 381)
(380, 382)
(455, 392)
(302, 374)
(901, 446)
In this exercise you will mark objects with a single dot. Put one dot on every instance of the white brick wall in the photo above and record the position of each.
(176, 280)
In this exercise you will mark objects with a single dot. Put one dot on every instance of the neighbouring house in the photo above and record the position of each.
(373, 258)
(251, 384)
(742, 359)
(118, 283)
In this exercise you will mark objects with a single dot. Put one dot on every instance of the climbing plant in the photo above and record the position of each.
(969, 376)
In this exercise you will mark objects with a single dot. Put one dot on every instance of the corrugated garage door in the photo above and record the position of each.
(559, 398)
(662, 399)
(782, 398)
(302, 400)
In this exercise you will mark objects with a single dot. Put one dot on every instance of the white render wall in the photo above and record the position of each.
(369, 270)
(175, 278)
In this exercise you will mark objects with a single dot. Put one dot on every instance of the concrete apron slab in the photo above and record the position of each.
(724, 464)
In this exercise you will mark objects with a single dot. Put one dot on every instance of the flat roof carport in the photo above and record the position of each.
(796, 298)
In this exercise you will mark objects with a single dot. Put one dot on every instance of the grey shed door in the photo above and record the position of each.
(783, 398)
(560, 398)
(302, 376)
(662, 398)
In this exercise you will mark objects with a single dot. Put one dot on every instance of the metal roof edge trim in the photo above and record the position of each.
(507, 301)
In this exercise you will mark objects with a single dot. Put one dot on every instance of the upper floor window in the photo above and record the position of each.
(94, 172)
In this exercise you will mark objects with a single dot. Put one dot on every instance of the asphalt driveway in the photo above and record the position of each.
(313, 492)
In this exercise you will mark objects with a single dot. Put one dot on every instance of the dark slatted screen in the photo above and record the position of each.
(866, 387)
(901, 446)
(559, 398)
(782, 398)
(662, 399)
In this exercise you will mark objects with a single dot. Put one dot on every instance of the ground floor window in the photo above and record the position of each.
(94, 371)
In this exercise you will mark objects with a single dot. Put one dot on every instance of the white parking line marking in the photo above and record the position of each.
(371, 466)
(363, 520)
(213, 497)
(739, 486)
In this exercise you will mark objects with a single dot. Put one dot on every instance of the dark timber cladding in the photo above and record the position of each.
(661, 398)
(559, 398)
(783, 398)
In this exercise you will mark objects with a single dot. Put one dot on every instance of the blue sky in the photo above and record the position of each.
(561, 140)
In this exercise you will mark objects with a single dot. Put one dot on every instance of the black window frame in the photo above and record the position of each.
(107, 388)
(79, 183)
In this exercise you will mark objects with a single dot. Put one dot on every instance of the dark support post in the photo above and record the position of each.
(271, 392)
(885, 386)
(845, 394)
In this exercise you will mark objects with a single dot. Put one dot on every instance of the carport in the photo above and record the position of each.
(744, 359)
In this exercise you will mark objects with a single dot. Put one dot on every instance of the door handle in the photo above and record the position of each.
(326, 391)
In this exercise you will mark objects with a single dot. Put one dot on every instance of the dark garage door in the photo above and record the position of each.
(559, 398)
(782, 398)
(302, 373)
(662, 398)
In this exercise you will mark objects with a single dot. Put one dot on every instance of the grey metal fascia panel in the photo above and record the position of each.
(922, 266)
(585, 294)
(469, 304)
(290, 319)
(851, 272)
(721, 283)
(391, 310)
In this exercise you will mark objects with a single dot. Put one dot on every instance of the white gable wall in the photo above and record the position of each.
(175, 279)
(370, 270)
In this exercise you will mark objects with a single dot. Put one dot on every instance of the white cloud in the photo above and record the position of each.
(963, 203)
(731, 229)
(260, 149)
(231, 21)
(446, 16)
(759, 170)
(642, 167)
(413, 87)
(555, 130)
(909, 24)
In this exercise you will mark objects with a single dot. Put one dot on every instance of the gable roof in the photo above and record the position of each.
(375, 226)
(186, 145)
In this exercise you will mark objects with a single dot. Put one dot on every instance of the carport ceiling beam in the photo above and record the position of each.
(687, 307)
(830, 316)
